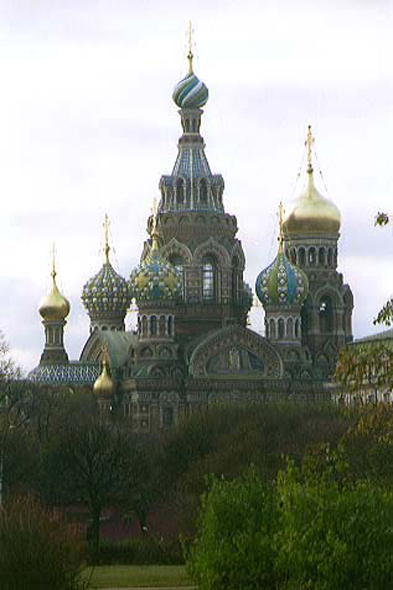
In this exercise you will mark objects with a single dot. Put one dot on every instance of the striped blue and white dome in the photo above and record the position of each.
(190, 92)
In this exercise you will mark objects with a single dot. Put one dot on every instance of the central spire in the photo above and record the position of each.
(191, 186)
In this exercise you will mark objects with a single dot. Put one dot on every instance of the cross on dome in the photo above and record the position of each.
(309, 143)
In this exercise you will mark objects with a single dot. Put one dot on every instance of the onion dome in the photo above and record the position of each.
(312, 214)
(103, 385)
(106, 293)
(282, 284)
(54, 306)
(190, 92)
(155, 279)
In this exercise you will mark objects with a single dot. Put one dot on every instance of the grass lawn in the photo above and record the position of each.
(123, 576)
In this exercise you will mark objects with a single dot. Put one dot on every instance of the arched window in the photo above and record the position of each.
(272, 328)
(178, 263)
(162, 326)
(170, 325)
(281, 328)
(180, 190)
(305, 316)
(144, 326)
(290, 327)
(203, 191)
(326, 314)
(330, 257)
(297, 329)
(208, 279)
(235, 280)
(312, 256)
(302, 257)
(321, 257)
(153, 325)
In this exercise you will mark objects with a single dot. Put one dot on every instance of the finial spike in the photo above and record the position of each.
(190, 55)
(281, 213)
(105, 354)
(107, 248)
(309, 143)
(53, 273)
(154, 232)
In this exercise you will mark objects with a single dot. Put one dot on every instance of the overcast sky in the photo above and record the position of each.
(87, 126)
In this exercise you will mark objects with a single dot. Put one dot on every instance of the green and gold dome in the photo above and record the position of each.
(312, 213)
(282, 285)
(106, 294)
(155, 279)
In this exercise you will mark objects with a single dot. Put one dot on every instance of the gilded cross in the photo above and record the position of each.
(309, 143)
(190, 54)
(106, 225)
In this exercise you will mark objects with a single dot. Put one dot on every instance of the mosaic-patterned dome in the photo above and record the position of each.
(106, 293)
(282, 284)
(155, 278)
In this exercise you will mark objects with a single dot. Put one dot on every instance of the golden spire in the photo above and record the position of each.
(309, 143)
(281, 213)
(107, 248)
(54, 273)
(154, 232)
(190, 55)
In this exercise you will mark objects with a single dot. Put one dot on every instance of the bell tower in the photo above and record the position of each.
(311, 234)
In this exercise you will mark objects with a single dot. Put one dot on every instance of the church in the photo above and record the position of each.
(192, 346)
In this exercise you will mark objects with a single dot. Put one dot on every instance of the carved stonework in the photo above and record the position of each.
(222, 351)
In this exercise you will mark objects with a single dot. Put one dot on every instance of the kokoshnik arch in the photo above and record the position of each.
(192, 345)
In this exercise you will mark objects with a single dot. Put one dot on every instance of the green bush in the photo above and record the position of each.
(333, 535)
(38, 551)
(147, 550)
(309, 531)
(233, 548)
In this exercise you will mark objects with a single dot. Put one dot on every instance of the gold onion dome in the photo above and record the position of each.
(190, 92)
(103, 385)
(312, 213)
(54, 306)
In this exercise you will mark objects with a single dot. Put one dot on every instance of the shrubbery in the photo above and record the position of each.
(308, 531)
(233, 548)
(147, 550)
(38, 551)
